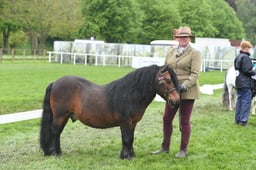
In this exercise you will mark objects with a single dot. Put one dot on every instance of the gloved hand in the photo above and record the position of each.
(252, 72)
(183, 88)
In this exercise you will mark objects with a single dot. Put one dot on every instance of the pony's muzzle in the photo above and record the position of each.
(173, 100)
(173, 103)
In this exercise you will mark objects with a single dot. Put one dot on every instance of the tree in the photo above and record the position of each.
(67, 19)
(209, 18)
(160, 17)
(7, 25)
(224, 19)
(41, 19)
(124, 21)
(246, 11)
(111, 20)
(197, 14)
(34, 16)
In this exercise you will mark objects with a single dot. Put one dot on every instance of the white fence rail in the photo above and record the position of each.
(120, 60)
(216, 64)
(90, 59)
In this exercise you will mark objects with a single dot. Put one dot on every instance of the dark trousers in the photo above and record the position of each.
(186, 108)
(243, 105)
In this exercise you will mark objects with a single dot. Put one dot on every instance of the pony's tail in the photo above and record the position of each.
(225, 95)
(46, 122)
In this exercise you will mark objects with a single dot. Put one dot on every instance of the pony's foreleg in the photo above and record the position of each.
(253, 106)
(127, 141)
(230, 103)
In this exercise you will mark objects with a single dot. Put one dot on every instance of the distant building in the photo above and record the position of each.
(212, 42)
(235, 43)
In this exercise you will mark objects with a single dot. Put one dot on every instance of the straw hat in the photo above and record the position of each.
(184, 32)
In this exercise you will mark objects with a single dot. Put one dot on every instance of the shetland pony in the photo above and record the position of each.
(120, 103)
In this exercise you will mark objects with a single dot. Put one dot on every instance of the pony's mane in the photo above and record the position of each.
(133, 90)
(174, 77)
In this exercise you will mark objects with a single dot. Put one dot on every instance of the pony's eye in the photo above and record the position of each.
(169, 81)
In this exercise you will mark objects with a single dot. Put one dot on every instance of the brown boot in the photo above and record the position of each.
(162, 150)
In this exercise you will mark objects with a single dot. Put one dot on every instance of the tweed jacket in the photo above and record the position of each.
(187, 68)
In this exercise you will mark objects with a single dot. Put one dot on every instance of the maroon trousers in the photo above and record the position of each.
(186, 108)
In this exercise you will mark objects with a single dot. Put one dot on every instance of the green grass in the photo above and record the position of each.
(23, 84)
(216, 142)
(211, 77)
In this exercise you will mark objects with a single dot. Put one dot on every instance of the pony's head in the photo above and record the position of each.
(167, 86)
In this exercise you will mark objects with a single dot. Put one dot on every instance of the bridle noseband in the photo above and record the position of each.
(169, 91)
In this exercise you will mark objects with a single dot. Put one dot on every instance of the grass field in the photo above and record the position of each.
(216, 142)
(23, 84)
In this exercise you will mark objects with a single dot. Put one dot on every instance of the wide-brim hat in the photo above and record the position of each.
(184, 32)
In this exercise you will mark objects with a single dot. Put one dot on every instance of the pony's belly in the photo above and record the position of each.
(103, 120)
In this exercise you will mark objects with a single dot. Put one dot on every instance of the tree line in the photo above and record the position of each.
(40, 22)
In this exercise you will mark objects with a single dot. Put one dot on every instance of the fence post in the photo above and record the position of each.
(204, 63)
(74, 58)
(35, 53)
(85, 59)
(96, 60)
(221, 65)
(61, 57)
(49, 57)
(104, 59)
(119, 59)
(1, 54)
(44, 54)
(24, 54)
(13, 54)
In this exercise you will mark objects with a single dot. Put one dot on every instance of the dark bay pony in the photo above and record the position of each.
(119, 103)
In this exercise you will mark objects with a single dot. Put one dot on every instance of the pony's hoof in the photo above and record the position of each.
(127, 156)
(52, 153)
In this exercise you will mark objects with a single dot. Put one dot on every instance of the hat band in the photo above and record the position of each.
(183, 34)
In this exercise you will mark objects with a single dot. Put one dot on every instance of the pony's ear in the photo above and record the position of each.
(164, 68)
(164, 74)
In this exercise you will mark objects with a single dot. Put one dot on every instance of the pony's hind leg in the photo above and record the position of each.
(51, 146)
(57, 128)
(253, 106)
(234, 96)
(52, 125)
(231, 98)
(230, 102)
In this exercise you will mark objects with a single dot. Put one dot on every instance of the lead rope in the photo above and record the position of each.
(180, 125)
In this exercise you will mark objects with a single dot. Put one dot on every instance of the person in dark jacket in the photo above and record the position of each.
(244, 70)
